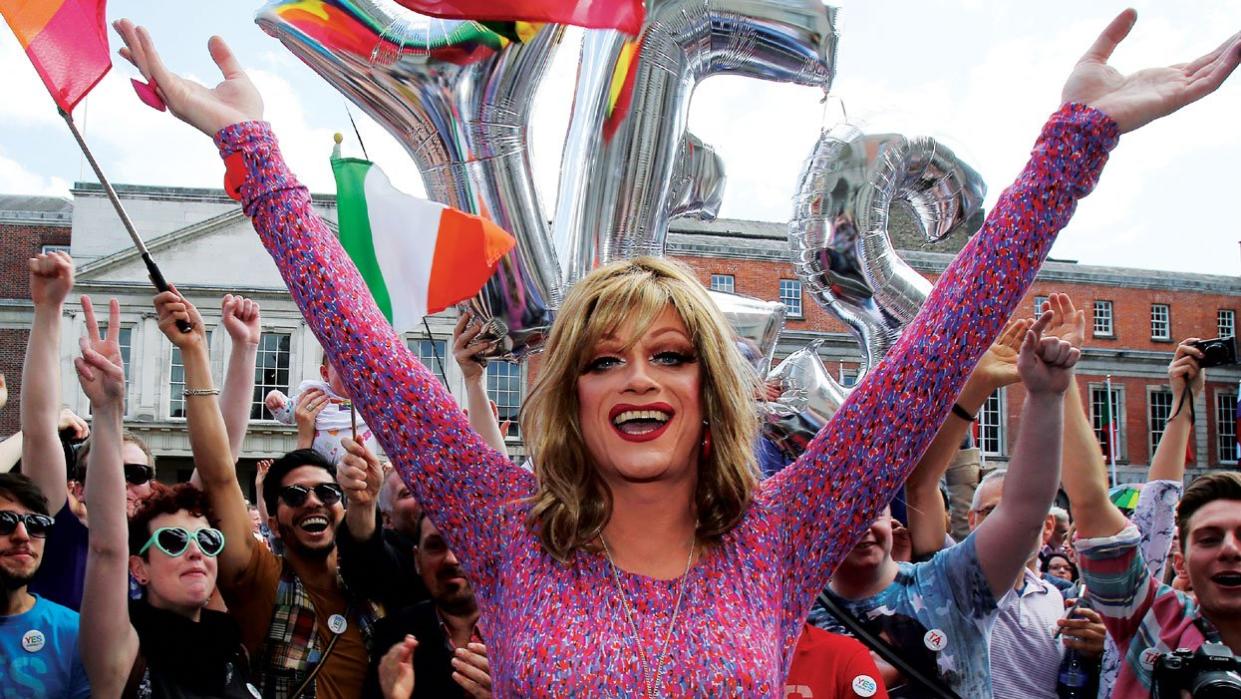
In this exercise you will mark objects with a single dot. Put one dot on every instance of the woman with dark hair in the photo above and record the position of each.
(644, 558)
(1060, 571)
(166, 644)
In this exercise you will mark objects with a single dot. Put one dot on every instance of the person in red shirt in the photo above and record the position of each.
(827, 665)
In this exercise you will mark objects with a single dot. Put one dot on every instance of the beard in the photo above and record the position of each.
(15, 580)
(288, 535)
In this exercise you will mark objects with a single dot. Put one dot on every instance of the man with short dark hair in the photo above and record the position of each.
(38, 638)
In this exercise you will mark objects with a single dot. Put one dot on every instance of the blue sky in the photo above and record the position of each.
(980, 75)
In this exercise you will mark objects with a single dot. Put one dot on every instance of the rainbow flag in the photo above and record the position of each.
(66, 40)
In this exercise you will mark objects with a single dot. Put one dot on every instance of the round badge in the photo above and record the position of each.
(337, 624)
(254, 691)
(33, 641)
(1148, 658)
(865, 686)
(935, 639)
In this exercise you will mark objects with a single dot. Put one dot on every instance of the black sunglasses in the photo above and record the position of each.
(37, 525)
(295, 495)
(137, 474)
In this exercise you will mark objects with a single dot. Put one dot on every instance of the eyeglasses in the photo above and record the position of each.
(137, 474)
(174, 541)
(37, 525)
(295, 495)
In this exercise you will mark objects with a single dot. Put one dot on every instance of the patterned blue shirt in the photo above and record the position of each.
(937, 615)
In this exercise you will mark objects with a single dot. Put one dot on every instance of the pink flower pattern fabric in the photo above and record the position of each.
(559, 629)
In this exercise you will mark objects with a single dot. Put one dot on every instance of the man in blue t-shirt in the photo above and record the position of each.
(38, 638)
(938, 615)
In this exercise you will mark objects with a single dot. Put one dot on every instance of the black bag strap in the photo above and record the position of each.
(860, 632)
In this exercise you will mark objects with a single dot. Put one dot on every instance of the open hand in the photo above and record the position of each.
(465, 350)
(232, 101)
(100, 369)
(1067, 322)
(240, 317)
(1046, 363)
(1140, 98)
(998, 366)
(359, 474)
(472, 670)
(51, 278)
(396, 670)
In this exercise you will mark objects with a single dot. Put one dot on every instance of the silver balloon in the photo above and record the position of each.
(839, 229)
(756, 322)
(809, 397)
(697, 181)
(619, 159)
(457, 95)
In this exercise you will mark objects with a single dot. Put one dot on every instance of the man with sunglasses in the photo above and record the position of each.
(305, 633)
(38, 638)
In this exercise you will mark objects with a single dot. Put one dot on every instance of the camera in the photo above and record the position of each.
(1212, 672)
(1217, 352)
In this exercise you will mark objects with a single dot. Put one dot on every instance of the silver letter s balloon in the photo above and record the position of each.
(457, 95)
(631, 106)
(839, 230)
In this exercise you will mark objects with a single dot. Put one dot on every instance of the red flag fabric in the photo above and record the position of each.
(625, 15)
(66, 40)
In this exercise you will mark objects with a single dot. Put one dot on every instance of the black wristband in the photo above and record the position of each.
(962, 413)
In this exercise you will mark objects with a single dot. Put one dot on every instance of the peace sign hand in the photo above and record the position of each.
(232, 101)
(101, 369)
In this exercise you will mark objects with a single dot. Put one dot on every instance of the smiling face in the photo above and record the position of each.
(1213, 558)
(20, 553)
(182, 582)
(639, 403)
(872, 550)
(310, 529)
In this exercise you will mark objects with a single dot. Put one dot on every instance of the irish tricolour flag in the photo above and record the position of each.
(417, 257)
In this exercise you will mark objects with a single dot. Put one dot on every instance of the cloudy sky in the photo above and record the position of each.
(981, 76)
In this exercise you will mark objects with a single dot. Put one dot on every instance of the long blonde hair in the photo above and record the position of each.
(572, 503)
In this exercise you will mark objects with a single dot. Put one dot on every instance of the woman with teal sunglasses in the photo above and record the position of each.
(168, 643)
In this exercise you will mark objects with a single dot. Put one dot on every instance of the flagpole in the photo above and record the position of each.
(157, 278)
(1112, 432)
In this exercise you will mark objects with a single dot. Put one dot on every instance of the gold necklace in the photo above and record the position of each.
(651, 681)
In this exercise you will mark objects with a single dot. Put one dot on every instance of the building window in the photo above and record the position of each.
(848, 377)
(125, 340)
(271, 373)
(504, 387)
(724, 283)
(790, 296)
(1103, 319)
(1226, 427)
(1226, 323)
(1159, 409)
(49, 249)
(176, 382)
(991, 420)
(1040, 305)
(432, 354)
(1107, 419)
(1161, 322)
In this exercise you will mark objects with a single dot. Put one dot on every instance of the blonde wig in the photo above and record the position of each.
(572, 503)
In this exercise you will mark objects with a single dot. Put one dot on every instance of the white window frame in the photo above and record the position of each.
(787, 299)
(725, 283)
(1161, 327)
(414, 343)
(1103, 324)
(262, 389)
(127, 356)
(1118, 391)
(993, 416)
(1222, 399)
(175, 394)
(48, 249)
(1040, 305)
(1226, 323)
(1156, 415)
(514, 433)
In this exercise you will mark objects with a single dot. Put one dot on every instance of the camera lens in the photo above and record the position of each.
(1217, 684)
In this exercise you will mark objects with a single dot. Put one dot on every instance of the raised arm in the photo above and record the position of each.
(1009, 537)
(474, 370)
(43, 459)
(1168, 464)
(240, 317)
(863, 454)
(108, 641)
(208, 436)
(997, 368)
(462, 484)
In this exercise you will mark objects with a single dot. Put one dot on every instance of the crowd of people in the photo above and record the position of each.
(637, 553)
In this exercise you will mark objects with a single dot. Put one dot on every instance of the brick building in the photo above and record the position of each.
(206, 246)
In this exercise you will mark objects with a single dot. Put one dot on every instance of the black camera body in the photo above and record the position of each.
(1218, 352)
(1211, 672)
